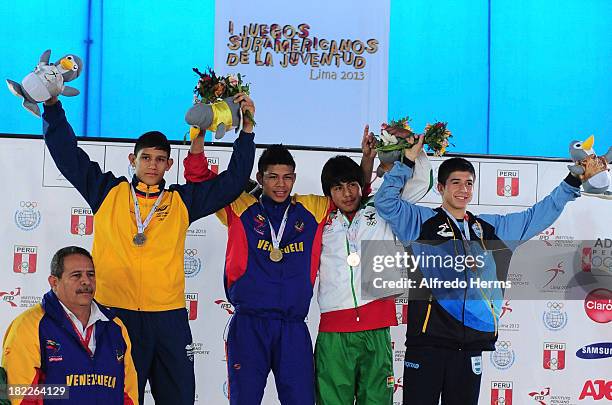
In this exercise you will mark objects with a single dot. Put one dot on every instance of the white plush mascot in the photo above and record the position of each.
(47, 80)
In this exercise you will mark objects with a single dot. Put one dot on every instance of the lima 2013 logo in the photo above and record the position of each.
(554, 318)
(192, 264)
(503, 357)
(27, 217)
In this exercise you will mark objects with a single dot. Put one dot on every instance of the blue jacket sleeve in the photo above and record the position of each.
(207, 197)
(405, 218)
(526, 224)
(72, 161)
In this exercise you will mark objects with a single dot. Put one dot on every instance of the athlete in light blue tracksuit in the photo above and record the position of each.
(449, 328)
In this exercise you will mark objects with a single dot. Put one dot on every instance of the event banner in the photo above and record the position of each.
(316, 71)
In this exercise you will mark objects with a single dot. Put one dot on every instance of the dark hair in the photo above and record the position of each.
(277, 154)
(152, 139)
(456, 164)
(57, 262)
(340, 169)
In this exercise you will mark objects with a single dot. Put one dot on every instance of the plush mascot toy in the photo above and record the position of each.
(47, 81)
(591, 169)
(219, 117)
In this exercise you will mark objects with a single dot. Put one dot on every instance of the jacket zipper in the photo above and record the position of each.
(426, 321)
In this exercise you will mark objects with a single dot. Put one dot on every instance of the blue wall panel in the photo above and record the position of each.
(438, 67)
(551, 75)
(550, 67)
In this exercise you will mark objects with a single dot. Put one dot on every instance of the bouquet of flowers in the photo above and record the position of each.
(390, 147)
(212, 88)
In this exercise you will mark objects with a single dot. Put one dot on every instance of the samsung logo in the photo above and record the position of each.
(595, 351)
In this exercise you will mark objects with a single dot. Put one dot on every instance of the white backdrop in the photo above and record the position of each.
(325, 62)
(38, 207)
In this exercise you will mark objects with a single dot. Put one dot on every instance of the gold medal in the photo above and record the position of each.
(276, 255)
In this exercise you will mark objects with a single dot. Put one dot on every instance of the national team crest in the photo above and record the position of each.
(554, 356)
(24, 259)
(507, 183)
(81, 221)
(401, 311)
(477, 365)
(213, 164)
(501, 392)
(191, 303)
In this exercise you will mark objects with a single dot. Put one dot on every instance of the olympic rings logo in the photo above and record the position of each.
(555, 306)
(503, 344)
(28, 204)
(191, 252)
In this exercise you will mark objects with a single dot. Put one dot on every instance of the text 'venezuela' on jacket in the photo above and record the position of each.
(254, 284)
(149, 277)
(42, 347)
(456, 318)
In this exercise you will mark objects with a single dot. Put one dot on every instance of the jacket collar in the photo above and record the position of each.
(147, 191)
(53, 308)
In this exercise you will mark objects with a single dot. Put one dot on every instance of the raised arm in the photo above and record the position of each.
(205, 197)
(368, 153)
(404, 217)
(526, 224)
(72, 161)
(196, 163)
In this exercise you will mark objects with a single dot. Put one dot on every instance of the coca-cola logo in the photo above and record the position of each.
(598, 305)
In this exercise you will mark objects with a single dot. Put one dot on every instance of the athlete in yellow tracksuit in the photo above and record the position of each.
(140, 268)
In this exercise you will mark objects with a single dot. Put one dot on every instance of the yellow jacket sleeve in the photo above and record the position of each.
(130, 389)
(21, 350)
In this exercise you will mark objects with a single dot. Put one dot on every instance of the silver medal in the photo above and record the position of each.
(139, 239)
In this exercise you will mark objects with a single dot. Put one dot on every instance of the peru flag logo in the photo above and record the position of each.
(213, 164)
(554, 356)
(24, 259)
(507, 183)
(191, 303)
(501, 392)
(81, 221)
(401, 311)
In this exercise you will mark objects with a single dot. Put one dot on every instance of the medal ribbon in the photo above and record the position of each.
(143, 225)
(465, 235)
(276, 239)
(351, 229)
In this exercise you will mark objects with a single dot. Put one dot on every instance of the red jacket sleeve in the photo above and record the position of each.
(196, 168)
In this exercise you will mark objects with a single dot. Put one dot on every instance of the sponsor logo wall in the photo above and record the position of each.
(550, 351)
